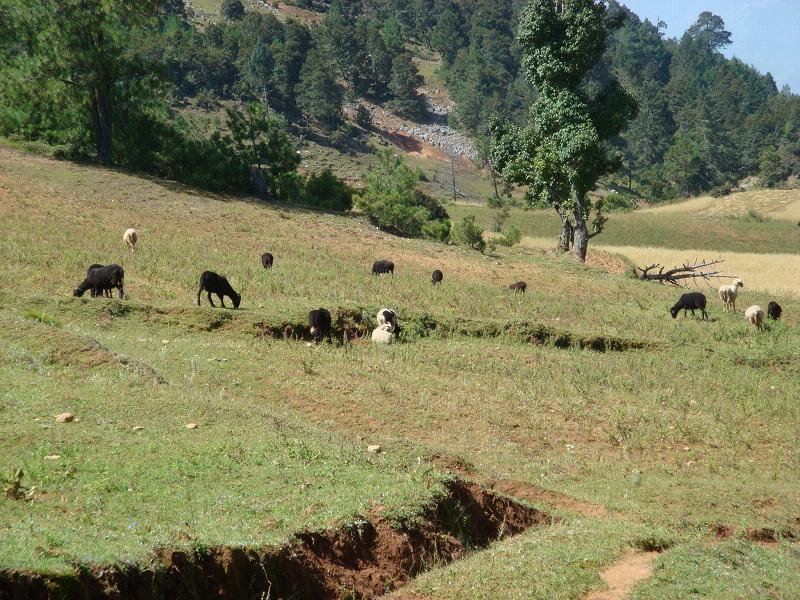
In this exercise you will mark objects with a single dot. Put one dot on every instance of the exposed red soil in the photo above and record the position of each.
(622, 576)
(765, 536)
(365, 559)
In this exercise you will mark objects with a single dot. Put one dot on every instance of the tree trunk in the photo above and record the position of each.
(101, 123)
(581, 243)
(566, 236)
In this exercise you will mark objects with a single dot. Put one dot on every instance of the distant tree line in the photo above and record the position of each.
(704, 121)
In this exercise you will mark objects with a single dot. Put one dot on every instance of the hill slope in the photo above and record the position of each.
(679, 426)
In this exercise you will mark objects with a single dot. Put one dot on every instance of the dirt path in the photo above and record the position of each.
(622, 576)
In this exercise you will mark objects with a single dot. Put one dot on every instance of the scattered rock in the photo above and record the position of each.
(191, 426)
(375, 448)
(66, 417)
(52, 457)
(138, 428)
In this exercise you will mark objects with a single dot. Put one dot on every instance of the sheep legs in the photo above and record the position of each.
(221, 299)
(210, 301)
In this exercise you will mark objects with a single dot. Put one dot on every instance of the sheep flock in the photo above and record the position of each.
(101, 280)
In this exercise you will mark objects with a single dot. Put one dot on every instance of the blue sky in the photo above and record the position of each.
(766, 33)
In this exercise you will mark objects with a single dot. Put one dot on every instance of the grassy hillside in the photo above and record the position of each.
(756, 233)
(680, 430)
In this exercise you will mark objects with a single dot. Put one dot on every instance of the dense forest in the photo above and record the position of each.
(110, 83)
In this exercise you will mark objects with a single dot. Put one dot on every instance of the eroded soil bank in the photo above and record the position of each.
(364, 559)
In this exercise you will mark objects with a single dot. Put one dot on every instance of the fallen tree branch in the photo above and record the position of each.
(680, 276)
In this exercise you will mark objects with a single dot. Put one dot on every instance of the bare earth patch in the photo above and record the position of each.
(622, 576)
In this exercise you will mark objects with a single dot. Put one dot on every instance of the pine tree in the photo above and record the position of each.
(447, 36)
(320, 96)
(406, 100)
(231, 10)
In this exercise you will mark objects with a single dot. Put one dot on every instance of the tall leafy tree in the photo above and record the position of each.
(563, 150)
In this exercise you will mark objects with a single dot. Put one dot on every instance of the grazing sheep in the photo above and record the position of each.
(520, 286)
(100, 279)
(382, 334)
(437, 276)
(267, 259)
(387, 316)
(728, 293)
(217, 284)
(106, 293)
(774, 310)
(755, 315)
(690, 301)
(382, 266)
(129, 237)
(320, 324)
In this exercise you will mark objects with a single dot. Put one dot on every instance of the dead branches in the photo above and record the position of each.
(681, 276)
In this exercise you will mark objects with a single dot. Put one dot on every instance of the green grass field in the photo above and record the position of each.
(684, 430)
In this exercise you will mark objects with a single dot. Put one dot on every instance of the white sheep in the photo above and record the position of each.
(129, 237)
(755, 315)
(387, 316)
(382, 334)
(728, 293)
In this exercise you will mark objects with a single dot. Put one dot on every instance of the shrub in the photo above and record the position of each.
(468, 233)
(511, 235)
(325, 190)
(721, 190)
(438, 230)
(392, 201)
(363, 117)
(617, 202)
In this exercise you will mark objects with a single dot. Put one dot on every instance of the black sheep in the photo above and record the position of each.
(217, 284)
(319, 321)
(774, 310)
(100, 279)
(520, 286)
(267, 259)
(437, 276)
(382, 266)
(690, 301)
(106, 293)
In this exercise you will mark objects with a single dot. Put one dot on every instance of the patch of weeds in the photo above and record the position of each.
(308, 366)
(455, 519)
(304, 453)
(655, 541)
(403, 518)
(12, 485)
(41, 317)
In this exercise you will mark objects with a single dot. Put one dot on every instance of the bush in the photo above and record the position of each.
(363, 117)
(325, 190)
(392, 201)
(721, 190)
(617, 202)
(438, 230)
(511, 236)
(468, 233)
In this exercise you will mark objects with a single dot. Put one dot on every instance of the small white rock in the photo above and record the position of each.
(66, 417)
(374, 448)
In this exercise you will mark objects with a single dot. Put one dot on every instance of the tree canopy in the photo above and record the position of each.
(564, 148)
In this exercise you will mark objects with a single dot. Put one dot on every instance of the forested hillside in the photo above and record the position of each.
(116, 83)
